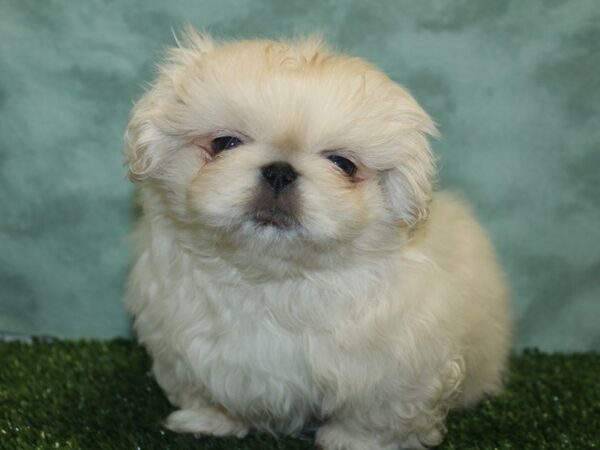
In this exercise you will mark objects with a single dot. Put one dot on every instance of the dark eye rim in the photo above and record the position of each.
(223, 143)
(343, 163)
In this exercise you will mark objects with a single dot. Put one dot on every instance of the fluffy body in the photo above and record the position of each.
(381, 309)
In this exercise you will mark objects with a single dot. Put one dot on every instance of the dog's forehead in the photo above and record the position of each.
(294, 99)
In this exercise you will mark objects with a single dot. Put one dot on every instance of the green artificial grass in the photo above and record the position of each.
(101, 395)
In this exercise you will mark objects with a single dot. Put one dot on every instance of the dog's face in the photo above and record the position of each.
(280, 144)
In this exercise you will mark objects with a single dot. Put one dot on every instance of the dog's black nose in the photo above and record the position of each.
(279, 175)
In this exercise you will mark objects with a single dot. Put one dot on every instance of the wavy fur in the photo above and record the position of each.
(381, 310)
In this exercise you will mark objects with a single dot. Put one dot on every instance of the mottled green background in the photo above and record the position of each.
(514, 86)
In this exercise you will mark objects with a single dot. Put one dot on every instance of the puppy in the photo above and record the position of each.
(293, 264)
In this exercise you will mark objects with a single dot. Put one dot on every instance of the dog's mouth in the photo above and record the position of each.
(267, 210)
(273, 218)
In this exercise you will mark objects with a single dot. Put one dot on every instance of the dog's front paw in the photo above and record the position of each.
(205, 420)
(334, 436)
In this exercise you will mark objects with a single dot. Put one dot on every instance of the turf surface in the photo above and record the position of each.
(101, 395)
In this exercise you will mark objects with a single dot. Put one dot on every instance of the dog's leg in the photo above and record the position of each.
(339, 436)
(196, 414)
(205, 419)
(414, 420)
(422, 431)
(342, 435)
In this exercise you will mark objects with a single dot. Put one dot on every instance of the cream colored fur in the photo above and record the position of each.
(380, 310)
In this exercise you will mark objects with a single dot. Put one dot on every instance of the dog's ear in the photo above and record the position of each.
(148, 140)
(408, 186)
(145, 144)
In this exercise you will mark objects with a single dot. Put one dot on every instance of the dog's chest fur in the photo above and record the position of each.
(252, 366)
(287, 350)
(258, 350)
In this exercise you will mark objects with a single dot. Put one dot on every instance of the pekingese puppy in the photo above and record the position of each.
(293, 265)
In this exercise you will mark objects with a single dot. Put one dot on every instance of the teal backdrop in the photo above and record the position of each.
(513, 85)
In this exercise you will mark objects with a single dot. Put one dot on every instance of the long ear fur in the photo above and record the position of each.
(146, 141)
(408, 186)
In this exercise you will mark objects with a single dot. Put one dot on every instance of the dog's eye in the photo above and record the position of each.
(345, 164)
(224, 143)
